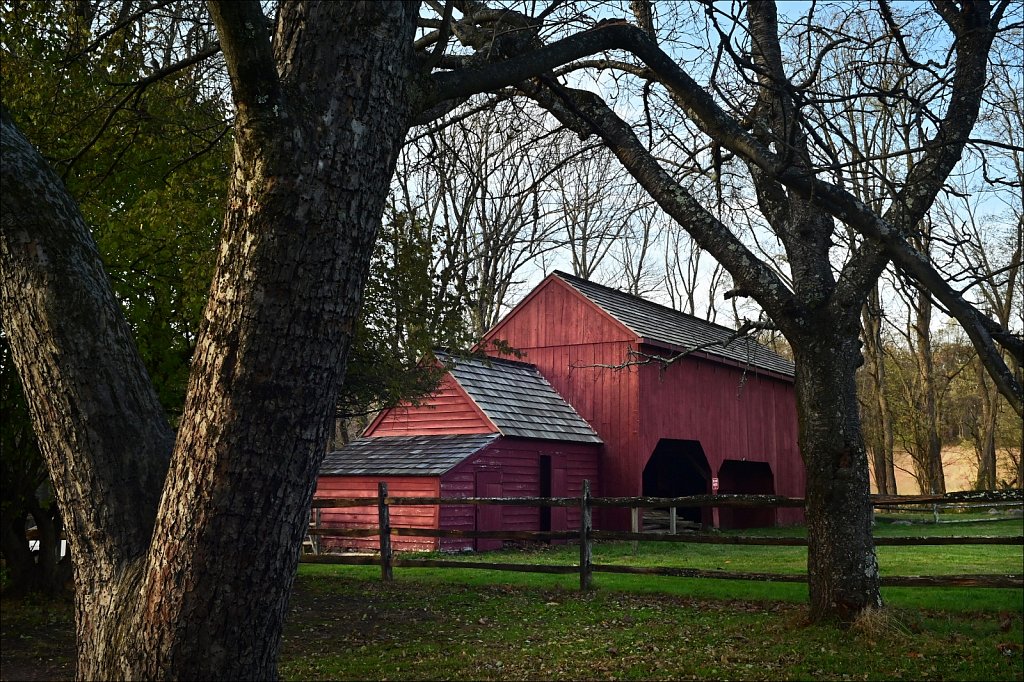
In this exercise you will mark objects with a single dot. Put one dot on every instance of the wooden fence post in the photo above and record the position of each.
(634, 524)
(672, 521)
(586, 526)
(384, 521)
(317, 520)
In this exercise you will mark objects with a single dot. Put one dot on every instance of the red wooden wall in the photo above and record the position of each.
(509, 467)
(425, 516)
(735, 414)
(514, 465)
(567, 337)
(449, 411)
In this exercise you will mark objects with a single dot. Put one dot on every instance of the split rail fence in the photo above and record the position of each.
(586, 535)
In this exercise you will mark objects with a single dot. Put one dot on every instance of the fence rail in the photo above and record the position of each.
(586, 535)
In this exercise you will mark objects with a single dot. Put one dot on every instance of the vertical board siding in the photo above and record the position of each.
(449, 411)
(419, 516)
(555, 314)
(517, 460)
(457, 483)
(734, 413)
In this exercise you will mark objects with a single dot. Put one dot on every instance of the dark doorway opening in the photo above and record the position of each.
(545, 491)
(678, 468)
(736, 477)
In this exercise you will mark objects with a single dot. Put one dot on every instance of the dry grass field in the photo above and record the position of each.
(958, 463)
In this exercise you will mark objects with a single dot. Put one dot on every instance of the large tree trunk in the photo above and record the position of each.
(197, 589)
(842, 567)
(100, 426)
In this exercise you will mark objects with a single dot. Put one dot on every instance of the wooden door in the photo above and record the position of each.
(559, 488)
(488, 517)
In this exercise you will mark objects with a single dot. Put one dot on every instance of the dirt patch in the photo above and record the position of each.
(37, 639)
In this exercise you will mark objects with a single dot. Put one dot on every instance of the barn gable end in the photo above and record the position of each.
(729, 400)
(449, 411)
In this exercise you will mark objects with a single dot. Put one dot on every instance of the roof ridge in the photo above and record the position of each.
(567, 276)
(485, 358)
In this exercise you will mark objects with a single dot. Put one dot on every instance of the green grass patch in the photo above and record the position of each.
(346, 624)
(894, 561)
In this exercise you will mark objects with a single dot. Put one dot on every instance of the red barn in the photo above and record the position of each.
(720, 417)
(725, 412)
(494, 428)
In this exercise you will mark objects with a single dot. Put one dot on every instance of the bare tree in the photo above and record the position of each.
(481, 184)
(800, 196)
(323, 104)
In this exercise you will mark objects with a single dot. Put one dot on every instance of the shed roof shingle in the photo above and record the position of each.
(517, 398)
(403, 455)
(665, 326)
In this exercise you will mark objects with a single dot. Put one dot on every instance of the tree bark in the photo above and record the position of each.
(101, 429)
(197, 589)
(984, 435)
(928, 446)
(842, 569)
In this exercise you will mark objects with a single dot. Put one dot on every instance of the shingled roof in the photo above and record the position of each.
(403, 455)
(518, 400)
(660, 325)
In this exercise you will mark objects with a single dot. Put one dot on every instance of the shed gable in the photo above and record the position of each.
(449, 411)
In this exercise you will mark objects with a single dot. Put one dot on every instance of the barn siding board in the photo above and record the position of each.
(751, 417)
(447, 411)
(734, 411)
(419, 516)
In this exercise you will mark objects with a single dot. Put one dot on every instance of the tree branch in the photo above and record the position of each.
(245, 42)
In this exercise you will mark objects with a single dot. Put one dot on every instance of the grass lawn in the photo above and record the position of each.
(347, 625)
(469, 624)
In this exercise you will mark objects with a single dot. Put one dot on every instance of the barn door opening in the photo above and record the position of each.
(678, 468)
(737, 477)
(488, 516)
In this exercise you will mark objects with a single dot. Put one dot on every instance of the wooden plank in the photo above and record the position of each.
(1014, 495)
(586, 533)
(344, 559)
(644, 502)
(697, 538)
(476, 501)
(345, 532)
(983, 580)
(693, 538)
(700, 539)
(953, 540)
(698, 573)
(343, 502)
(487, 534)
(634, 525)
(522, 568)
(384, 526)
(701, 501)
(648, 502)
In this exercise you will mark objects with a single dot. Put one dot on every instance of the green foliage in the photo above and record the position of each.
(22, 470)
(407, 312)
(146, 162)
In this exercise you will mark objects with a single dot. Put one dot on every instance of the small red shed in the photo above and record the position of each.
(494, 428)
(720, 418)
